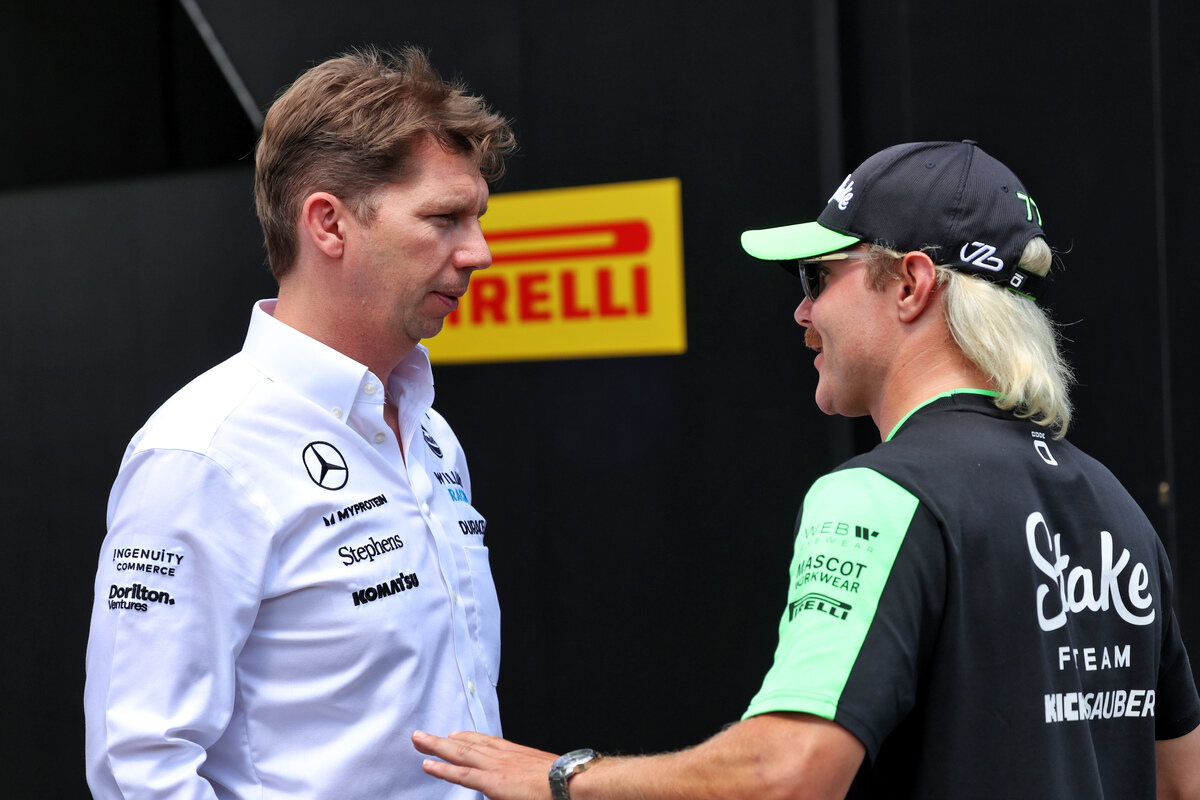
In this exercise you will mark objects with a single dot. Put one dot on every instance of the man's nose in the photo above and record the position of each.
(802, 313)
(474, 252)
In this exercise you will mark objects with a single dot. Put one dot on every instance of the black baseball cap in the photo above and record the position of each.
(949, 199)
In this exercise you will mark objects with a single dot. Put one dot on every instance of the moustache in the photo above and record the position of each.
(812, 339)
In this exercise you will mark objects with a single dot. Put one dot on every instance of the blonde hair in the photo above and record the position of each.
(1008, 336)
(348, 125)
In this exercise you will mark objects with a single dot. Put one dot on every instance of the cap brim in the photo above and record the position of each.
(794, 241)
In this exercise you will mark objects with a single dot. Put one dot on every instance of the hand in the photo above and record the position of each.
(501, 769)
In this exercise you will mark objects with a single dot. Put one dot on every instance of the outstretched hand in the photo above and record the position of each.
(501, 769)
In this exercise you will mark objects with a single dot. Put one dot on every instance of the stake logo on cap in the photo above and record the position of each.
(949, 199)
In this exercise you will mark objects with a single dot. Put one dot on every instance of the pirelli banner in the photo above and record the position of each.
(576, 273)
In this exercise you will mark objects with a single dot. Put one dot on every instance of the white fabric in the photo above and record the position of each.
(257, 635)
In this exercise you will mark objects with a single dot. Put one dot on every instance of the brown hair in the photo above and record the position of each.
(347, 126)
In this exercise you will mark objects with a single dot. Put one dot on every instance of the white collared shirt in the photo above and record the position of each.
(282, 598)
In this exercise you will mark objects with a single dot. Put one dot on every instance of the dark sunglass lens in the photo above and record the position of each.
(811, 277)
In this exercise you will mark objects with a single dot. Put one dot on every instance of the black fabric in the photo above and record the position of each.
(950, 199)
(990, 710)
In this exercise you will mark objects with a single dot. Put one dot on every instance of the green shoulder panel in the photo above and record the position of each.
(852, 527)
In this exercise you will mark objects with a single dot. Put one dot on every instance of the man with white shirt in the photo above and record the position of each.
(294, 578)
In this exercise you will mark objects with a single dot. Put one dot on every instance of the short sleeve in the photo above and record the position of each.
(863, 594)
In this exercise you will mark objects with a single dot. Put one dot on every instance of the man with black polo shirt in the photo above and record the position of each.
(976, 609)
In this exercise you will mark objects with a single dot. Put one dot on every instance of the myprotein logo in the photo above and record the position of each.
(1076, 589)
(326, 465)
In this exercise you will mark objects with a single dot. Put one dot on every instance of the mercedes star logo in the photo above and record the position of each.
(325, 465)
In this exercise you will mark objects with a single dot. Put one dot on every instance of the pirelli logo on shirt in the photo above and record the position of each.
(582, 272)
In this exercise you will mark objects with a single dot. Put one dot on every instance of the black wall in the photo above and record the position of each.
(639, 509)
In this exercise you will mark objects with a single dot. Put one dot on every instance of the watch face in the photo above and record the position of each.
(564, 767)
(569, 763)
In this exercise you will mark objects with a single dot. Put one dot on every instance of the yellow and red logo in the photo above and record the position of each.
(582, 272)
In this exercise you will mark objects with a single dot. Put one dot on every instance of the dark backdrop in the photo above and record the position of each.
(639, 509)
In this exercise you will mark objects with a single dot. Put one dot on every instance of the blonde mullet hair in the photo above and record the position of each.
(1008, 336)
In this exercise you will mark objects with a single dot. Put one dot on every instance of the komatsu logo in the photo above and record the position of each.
(401, 583)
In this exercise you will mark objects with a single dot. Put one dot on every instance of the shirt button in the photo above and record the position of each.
(471, 687)
(379, 438)
(424, 508)
(337, 412)
(369, 388)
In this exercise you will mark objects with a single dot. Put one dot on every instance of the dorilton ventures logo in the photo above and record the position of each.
(137, 597)
(326, 465)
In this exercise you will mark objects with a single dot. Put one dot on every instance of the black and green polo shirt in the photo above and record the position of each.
(987, 610)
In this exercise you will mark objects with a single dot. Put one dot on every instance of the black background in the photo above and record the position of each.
(639, 509)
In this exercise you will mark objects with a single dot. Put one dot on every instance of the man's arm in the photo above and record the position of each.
(176, 594)
(769, 756)
(1178, 764)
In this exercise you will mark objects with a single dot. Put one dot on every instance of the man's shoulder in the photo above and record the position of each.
(192, 417)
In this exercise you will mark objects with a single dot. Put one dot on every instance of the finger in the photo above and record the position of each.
(463, 776)
(456, 751)
(478, 739)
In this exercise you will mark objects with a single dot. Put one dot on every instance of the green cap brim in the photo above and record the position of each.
(794, 241)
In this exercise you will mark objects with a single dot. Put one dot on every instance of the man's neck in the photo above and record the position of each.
(921, 376)
(336, 327)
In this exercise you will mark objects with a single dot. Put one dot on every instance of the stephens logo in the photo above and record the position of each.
(326, 465)
(822, 603)
(1078, 590)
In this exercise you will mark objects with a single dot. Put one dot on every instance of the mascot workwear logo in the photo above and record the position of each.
(325, 465)
(1075, 590)
(844, 194)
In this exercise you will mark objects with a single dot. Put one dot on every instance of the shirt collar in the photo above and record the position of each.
(919, 406)
(325, 376)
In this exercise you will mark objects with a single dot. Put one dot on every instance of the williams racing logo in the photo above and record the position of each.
(821, 603)
(326, 465)
(137, 597)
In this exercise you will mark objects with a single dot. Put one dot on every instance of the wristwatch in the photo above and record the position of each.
(567, 765)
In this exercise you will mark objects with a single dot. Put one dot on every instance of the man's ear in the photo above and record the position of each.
(323, 223)
(917, 285)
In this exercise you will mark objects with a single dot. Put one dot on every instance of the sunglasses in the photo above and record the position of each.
(814, 274)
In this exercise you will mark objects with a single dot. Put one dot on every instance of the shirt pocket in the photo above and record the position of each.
(486, 622)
